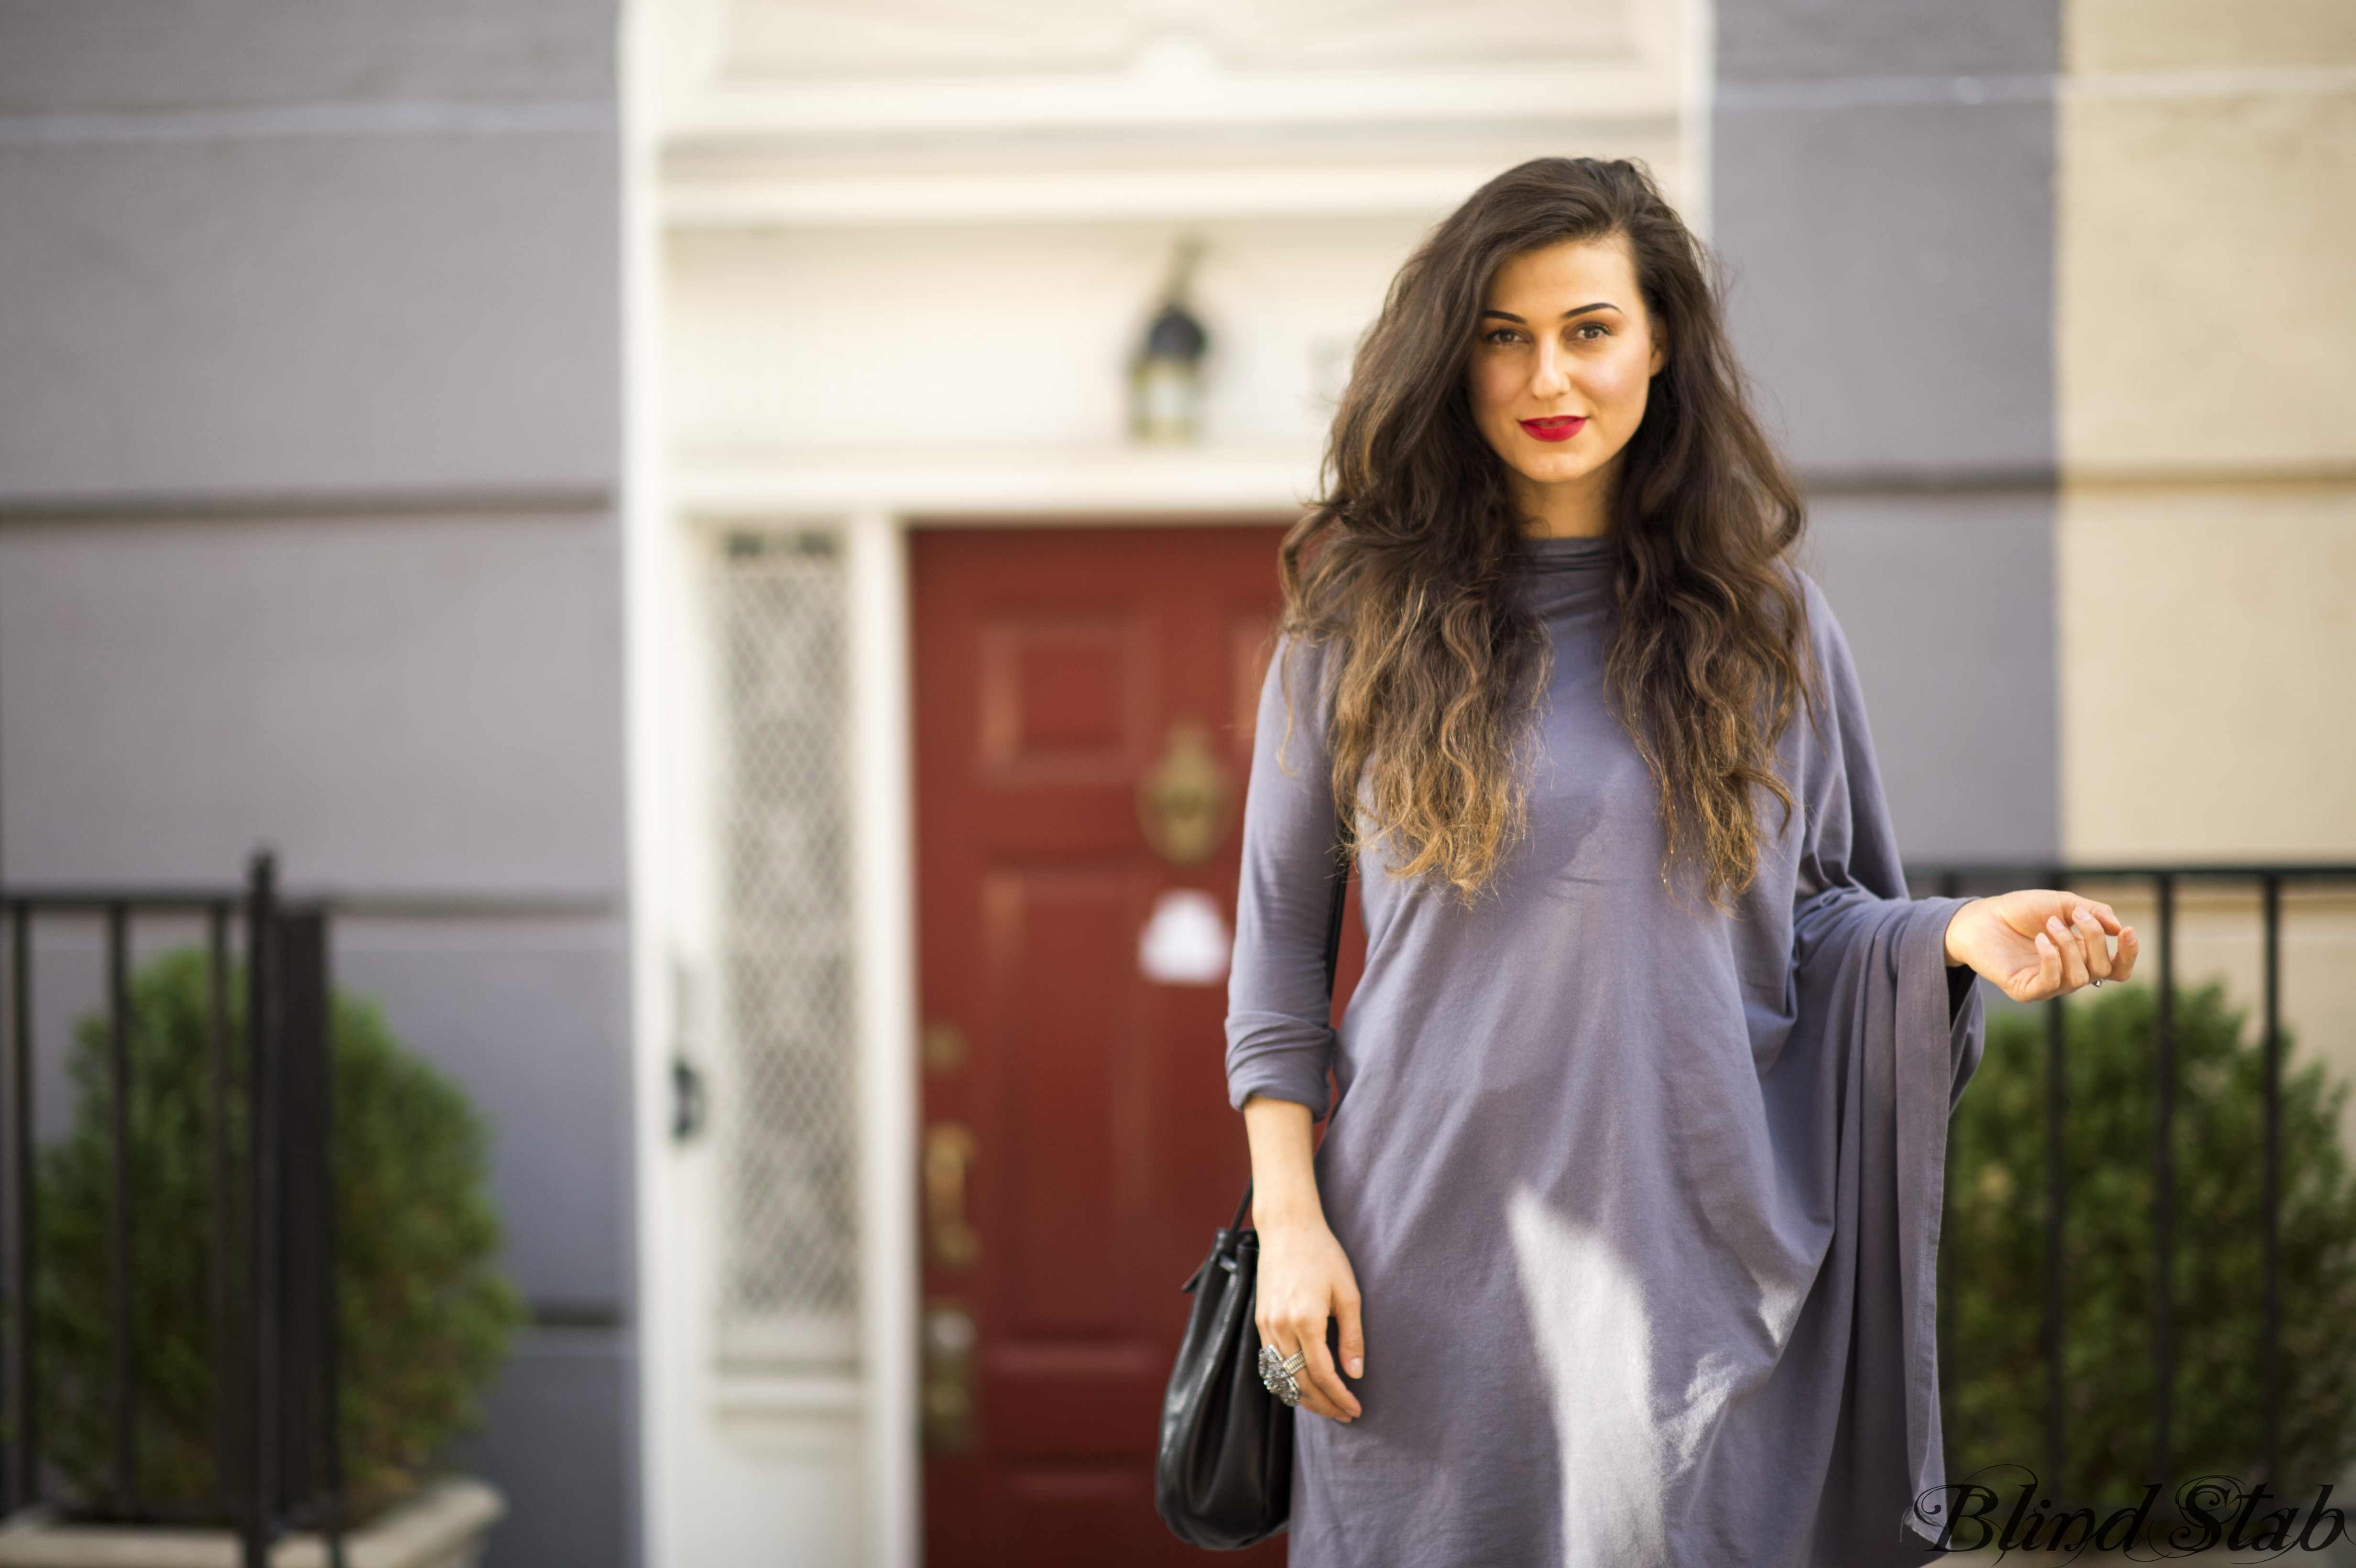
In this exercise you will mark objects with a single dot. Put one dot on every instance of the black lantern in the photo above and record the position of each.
(1165, 381)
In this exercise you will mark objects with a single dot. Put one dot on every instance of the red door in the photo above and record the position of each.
(1079, 1148)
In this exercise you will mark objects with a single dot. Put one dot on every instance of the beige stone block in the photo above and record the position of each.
(2205, 323)
(2200, 34)
(2206, 637)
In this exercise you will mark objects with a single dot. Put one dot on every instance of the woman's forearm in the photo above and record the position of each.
(1284, 1170)
(1305, 1280)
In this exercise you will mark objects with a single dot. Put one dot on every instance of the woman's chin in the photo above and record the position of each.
(1552, 470)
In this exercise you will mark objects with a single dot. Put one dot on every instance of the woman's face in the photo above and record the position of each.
(1559, 372)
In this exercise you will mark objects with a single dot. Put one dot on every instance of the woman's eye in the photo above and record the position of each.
(1591, 330)
(1500, 335)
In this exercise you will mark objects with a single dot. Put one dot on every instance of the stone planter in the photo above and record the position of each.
(442, 1527)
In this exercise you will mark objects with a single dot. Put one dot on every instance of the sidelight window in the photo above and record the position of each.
(782, 1106)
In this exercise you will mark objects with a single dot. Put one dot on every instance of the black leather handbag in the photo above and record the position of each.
(1223, 1479)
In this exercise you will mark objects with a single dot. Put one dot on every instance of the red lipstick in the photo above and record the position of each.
(1557, 428)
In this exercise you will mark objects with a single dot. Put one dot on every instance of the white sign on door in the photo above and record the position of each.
(1185, 941)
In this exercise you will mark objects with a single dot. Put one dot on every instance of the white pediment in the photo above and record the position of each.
(773, 75)
(819, 39)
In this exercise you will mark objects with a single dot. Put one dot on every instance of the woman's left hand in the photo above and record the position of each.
(2038, 943)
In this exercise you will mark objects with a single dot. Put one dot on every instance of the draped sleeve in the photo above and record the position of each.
(1279, 1029)
(1876, 1007)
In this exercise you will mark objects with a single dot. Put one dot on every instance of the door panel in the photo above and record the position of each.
(1063, 991)
(1076, 1111)
(1061, 697)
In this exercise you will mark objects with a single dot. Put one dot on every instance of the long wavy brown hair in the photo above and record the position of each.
(1407, 568)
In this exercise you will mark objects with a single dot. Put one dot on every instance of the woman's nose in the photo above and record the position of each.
(1549, 378)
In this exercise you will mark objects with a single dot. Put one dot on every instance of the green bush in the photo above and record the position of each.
(424, 1316)
(1992, 1266)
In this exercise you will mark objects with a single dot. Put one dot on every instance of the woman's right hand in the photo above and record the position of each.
(1305, 1279)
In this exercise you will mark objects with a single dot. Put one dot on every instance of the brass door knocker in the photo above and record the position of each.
(1182, 802)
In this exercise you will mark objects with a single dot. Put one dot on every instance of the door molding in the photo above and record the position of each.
(883, 896)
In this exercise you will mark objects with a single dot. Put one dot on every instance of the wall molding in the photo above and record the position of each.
(2321, 476)
(754, 196)
(282, 121)
(1736, 95)
(215, 506)
(1768, 95)
(2037, 479)
(2252, 82)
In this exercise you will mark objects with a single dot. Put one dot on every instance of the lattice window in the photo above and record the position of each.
(782, 1102)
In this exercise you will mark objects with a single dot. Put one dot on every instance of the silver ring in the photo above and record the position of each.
(2096, 983)
(1276, 1374)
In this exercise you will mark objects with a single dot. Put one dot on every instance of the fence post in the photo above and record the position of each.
(2057, 1212)
(24, 1478)
(263, 1032)
(118, 1205)
(2164, 1174)
(330, 1428)
(222, 1345)
(2272, 923)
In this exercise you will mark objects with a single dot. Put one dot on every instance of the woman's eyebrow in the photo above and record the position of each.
(1583, 310)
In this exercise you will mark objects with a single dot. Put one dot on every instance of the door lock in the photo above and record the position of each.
(949, 1154)
(949, 1424)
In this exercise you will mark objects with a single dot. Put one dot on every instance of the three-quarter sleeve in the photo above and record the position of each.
(1280, 1029)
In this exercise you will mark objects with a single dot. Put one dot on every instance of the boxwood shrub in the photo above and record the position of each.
(1992, 1352)
(425, 1314)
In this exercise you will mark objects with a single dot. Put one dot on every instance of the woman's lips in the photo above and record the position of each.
(1562, 428)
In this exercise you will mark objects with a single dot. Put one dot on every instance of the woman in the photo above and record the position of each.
(1625, 1217)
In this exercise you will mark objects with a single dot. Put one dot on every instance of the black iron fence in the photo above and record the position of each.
(269, 1289)
(2159, 892)
(270, 1284)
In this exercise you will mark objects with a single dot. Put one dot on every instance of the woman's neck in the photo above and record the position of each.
(1575, 510)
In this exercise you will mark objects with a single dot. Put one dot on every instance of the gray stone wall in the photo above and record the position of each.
(309, 322)
(1884, 202)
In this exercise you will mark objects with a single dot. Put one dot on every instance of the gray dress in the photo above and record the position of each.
(1643, 1197)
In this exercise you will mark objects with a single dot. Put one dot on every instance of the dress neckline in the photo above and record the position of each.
(1568, 554)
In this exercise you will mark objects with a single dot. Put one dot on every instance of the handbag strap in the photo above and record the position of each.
(1338, 881)
(1337, 897)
